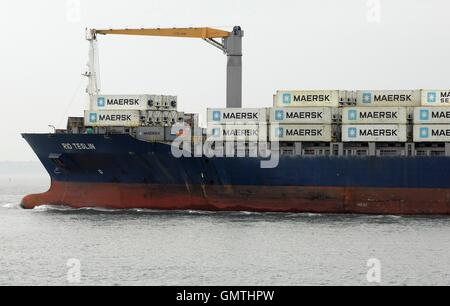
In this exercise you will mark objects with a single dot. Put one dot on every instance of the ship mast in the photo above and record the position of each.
(93, 73)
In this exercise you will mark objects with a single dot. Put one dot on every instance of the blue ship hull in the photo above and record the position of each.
(119, 171)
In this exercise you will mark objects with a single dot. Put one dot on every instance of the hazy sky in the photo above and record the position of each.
(288, 44)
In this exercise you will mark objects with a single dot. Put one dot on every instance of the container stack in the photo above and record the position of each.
(306, 115)
(237, 124)
(432, 118)
(379, 116)
(132, 111)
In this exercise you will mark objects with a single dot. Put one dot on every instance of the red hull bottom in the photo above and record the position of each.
(246, 198)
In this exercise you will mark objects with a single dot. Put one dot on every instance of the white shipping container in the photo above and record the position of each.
(305, 115)
(312, 98)
(154, 101)
(111, 118)
(236, 115)
(436, 97)
(371, 115)
(431, 133)
(170, 102)
(119, 102)
(284, 132)
(374, 133)
(241, 132)
(433, 115)
(388, 98)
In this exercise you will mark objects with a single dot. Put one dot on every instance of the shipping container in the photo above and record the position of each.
(431, 133)
(119, 102)
(432, 115)
(305, 115)
(154, 117)
(150, 133)
(374, 115)
(436, 97)
(155, 101)
(237, 132)
(388, 98)
(112, 118)
(170, 102)
(374, 133)
(285, 132)
(312, 98)
(236, 115)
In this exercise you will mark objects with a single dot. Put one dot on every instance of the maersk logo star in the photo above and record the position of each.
(287, 98)
(424, 114)
(279, 115)
(280, 132)
(216, 132)
(367, 97)
(216, 116)
(92, 117)
(431, 97)
(352, 132)
(352, 114)
(101, 102)
(424, 132)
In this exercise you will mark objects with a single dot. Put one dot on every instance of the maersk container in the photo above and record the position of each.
(431, 133)
(291, 132)
(312, 98)
(374, 133)
(237, 132)
(119, 102)
(154, 101)
(388, 98)
(170, 102)
(432, 115)
(150, 133)
(374, 115)
(435, 97)
(304, 115)
(111, 118)
(236, 115)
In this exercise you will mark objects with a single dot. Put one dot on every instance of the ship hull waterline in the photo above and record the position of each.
(120, 172)
(244, 198)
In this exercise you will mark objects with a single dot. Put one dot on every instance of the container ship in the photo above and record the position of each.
(313, 151)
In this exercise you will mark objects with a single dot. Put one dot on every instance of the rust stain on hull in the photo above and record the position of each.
(248, 198)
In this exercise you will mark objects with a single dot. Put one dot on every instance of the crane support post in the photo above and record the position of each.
(233, 49)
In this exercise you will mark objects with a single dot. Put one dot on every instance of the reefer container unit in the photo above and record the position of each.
(312, 98)
(388, 98)
(119, 102)
(374, 133)
(374, 115)
(432, 115)
(320, 133)
(304, 115)
(111, 118)
(155, 101)
(435, 97)
(236, 115)
(431, 133)
(240, 132)
(170, 102)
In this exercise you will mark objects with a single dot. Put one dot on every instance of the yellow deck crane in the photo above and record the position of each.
(231, 45)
